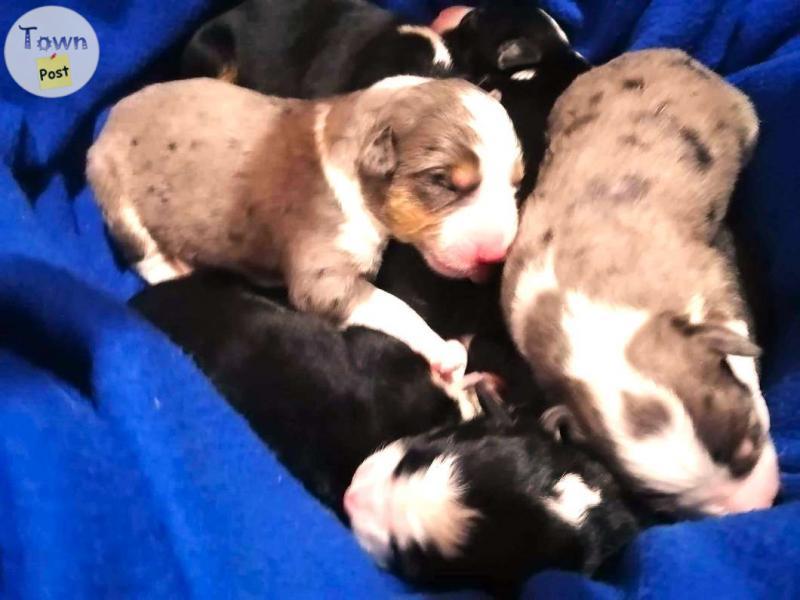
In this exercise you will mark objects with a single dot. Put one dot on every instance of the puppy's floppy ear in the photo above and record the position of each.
(721, 339)
(516, 53)
(560, 422)
(378, 158)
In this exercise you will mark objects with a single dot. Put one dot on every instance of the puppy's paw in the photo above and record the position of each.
(450, 362)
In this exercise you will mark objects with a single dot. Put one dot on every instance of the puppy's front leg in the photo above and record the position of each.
(349, 299)
(381, 310)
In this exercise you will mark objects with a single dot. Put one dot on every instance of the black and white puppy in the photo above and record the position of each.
(487, 500)
(491, 500)
(312, 48)
(296, 377)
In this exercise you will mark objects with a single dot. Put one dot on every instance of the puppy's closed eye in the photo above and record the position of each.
(459, 179)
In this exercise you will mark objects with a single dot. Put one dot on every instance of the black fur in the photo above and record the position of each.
(322, 399)
(306, 48)
(477, 45)
(507, 469)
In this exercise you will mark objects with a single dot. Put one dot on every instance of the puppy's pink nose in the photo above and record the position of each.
(492, 251)
(759, 489)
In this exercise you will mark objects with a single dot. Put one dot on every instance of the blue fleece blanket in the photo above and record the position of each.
(122, 472)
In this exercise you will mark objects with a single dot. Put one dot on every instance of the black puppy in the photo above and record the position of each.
(487, 500)
(323, 399)
(312, 48)
(521, 52)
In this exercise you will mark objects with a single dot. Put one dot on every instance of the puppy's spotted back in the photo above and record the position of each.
(644, 107)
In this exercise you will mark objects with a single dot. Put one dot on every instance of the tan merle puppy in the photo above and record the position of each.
(204, 173)
(615, 295)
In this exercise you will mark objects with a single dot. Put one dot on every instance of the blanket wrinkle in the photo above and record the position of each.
(124, 474)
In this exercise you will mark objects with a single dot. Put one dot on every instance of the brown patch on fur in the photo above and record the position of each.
(518, 174)
(636, 83)
(546, 344)
(408, 220)
(465, 176)
(578, 123)
(666, 351)
(644, 416)
(229, 73)
(700, 151)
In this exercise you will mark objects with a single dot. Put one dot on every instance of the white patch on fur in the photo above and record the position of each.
(441, 55)
(673, 460)
(491, 211)
(534, 280)
(397, 82)
(360, 235)
(556, 26)
(154, 268)
(382, 311)
(133, 224)
(370, 522)
(696, 309)
(425, 508)
(745, 370)
(572, 499)
(524, 75)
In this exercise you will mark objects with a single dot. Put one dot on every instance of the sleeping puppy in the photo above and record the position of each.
(304, 386)
(204, 173)
(312, 48)
(325, 400)
(621, 296)
(526, 56)
(491, 500)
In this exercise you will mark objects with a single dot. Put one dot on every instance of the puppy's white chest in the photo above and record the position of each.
(360, 234)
